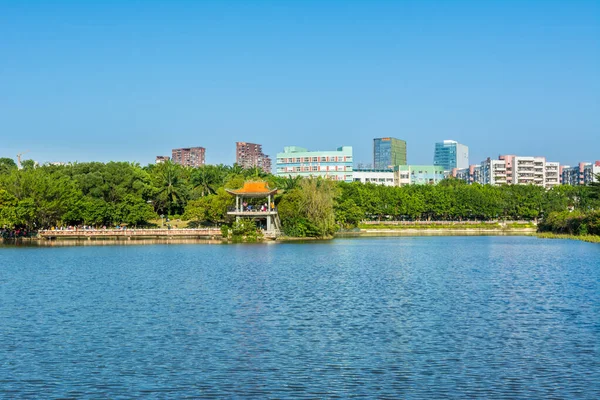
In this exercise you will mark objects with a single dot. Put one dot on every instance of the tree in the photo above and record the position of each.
(170, 191)
(7, 165)
(204, 179)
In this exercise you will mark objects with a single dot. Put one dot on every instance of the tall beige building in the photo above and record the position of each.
(249, 155)
(189, 157)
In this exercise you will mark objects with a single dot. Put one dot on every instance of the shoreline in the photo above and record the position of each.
(108, 241)
(445, 232)
(582, 238)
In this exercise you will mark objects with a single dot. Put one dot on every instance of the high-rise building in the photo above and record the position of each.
(298, 161)
(388, 152)
(189, 157)
(249, 155)
(450, 154)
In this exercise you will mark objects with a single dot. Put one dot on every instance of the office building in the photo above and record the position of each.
(189, 157)
(388, 152)
(249, 155)
(450, 154)
(418, 174)
(383, 177)
(298, 161)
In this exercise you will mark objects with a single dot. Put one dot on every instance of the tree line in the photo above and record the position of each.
(116, 193)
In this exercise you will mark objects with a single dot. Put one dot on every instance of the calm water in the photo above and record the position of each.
(423, 317)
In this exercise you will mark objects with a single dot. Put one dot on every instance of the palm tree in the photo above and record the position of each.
(254, 172)
(171, 191)
(204, 178)
(290, 183)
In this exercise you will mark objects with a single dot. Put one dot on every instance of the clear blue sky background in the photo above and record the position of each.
(129, 80)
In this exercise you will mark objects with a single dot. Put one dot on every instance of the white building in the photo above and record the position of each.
(493, 172)
(512, 170)
(529, 171)
(552, 177)
(380, 177)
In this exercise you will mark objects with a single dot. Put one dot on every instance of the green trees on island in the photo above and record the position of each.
(116, 193)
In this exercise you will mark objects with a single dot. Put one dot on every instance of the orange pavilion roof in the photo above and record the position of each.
(253, 189)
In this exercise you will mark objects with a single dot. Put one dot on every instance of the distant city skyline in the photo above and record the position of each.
(102, 81)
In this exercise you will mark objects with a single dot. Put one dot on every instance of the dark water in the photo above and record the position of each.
(425, 317)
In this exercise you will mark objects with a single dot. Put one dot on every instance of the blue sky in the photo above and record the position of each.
(129, 80)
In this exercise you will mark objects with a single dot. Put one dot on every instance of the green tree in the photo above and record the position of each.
(7, 165)
(170, 190)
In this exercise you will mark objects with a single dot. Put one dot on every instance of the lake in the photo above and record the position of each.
(397, 317)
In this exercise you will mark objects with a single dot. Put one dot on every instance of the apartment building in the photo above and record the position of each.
(189, 156)
(249, 155)
(472, 174)
(383, 177)
(509, 161)
(552, 177)
(512, 170)
(492, 172)
(582, 174)
(298, 161)
(162, 159)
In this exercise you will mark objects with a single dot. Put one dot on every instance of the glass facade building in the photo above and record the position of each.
(388, 152)
(450, 154)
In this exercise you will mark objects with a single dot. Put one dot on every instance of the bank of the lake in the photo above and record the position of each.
(446, 228)
(584, 238)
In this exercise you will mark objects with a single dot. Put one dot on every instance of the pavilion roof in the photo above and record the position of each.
(253, 189)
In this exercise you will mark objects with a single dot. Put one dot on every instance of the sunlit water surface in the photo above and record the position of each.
(408, 317)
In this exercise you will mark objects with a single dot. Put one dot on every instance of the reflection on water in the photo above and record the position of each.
(393, 317)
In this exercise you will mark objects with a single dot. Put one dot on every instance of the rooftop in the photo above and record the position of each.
(253, 189)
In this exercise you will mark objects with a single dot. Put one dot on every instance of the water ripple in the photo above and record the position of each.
(417, 318)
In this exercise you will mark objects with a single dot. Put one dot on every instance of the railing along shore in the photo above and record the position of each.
(130, 232)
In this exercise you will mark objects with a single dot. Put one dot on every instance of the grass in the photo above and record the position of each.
(584, 238)
(516, 225)
(175, 223)
(429, 226)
